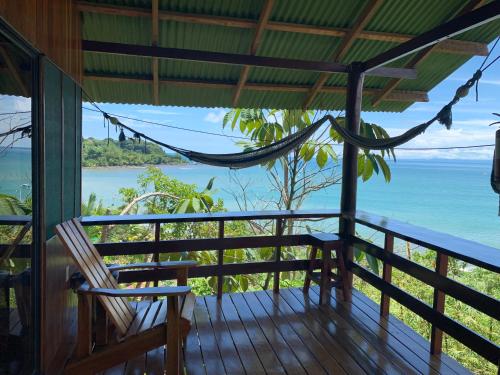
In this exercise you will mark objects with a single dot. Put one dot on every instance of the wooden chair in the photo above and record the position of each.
(137, 328)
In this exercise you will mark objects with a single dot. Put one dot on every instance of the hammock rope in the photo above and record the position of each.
(282, 147)
(278, 149)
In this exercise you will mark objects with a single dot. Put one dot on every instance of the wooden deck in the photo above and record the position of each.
(288, 333)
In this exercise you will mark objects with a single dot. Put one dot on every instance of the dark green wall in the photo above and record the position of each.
(62, 146)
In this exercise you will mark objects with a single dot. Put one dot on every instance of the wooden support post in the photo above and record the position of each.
(173, 337)
(220, 262)
(325, 279)
(156, 254)
(385, 299)
(154, 42)
(84, 339)
(350, 164)
(309, 273)
(279, 231)
(438, 304)
(101, 324)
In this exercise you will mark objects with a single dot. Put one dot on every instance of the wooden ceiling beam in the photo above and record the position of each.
(400, 95)
(154, 42)
(234, 59)
(259, 32)
(448, 46)
(366, 15)
(458, 25)
(420, 57)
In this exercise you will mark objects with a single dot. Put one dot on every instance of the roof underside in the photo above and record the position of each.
(127, 79)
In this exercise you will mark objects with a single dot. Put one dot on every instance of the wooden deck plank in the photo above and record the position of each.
(117, 370)
(280, 347)
(376, 348)
(155, 361)
(136, 366)
(281, 308)
(408, 341)
(261, 346)
(243, 344)
(229, 354)
(209, 348)
(269, 334)
(443, 363)
(378, 335)
(290, 333)
(193, 356)
(354, 353)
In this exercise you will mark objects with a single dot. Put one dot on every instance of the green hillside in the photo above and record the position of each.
(98, 153)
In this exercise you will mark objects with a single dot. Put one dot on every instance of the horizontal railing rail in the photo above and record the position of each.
(209, 217)
(14, 219)
(220, 243)
(16, 250)
(471, 252)
(444, 245)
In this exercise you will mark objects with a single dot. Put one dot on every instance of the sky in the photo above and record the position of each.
(470, 120)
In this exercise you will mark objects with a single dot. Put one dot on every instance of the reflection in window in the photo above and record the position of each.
(16, 333)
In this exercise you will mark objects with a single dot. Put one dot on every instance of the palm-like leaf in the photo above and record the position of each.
(10, 205)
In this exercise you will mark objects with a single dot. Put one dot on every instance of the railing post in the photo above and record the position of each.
(385, 299)
(350, 165)
(276, 283)
(220, 262)
(156, 254)
(438, 304)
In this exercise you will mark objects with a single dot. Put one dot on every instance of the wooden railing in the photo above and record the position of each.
(15, 248)
(445, 246)
(219, 243)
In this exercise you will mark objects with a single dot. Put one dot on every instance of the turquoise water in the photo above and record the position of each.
(451, 196)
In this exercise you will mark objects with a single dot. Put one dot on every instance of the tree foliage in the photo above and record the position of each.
(101, 153)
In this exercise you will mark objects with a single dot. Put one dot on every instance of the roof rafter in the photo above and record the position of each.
(420, 57)
(398, 95)
(154, 42)
(366, 15)
(259, 31)
(456, 26)
(448, 46)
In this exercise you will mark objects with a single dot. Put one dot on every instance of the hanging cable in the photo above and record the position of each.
(277, 149)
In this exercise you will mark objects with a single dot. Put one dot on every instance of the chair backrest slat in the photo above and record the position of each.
(92, 267)
(95, 259)
(98, 269)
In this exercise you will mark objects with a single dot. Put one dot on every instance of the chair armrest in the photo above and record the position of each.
(154, 265)
(169, 291)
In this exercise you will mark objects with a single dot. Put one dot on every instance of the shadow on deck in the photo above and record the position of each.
(288, 333)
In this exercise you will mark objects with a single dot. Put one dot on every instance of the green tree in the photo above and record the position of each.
(310, 167)
(104, 153)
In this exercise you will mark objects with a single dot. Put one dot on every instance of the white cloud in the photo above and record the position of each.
(214, 117)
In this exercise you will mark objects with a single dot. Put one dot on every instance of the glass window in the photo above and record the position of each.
(16, 313)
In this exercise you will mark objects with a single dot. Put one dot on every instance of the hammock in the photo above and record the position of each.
(261, 155)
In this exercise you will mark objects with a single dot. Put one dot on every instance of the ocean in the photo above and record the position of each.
(450, 196)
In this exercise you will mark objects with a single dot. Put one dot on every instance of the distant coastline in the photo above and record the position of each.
(143, 166)
(104, 153)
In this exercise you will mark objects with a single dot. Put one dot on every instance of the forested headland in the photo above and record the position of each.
(112, 153)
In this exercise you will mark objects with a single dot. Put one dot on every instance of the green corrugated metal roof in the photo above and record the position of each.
(394, 16)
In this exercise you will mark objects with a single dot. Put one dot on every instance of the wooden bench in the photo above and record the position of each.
(136, 328)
